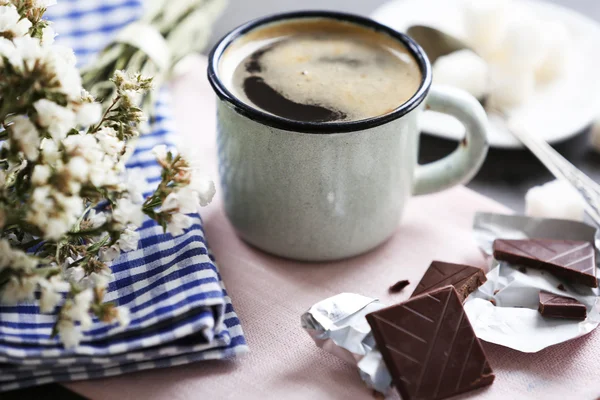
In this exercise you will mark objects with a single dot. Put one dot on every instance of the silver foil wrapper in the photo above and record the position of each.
(512, 320)
(338, 326)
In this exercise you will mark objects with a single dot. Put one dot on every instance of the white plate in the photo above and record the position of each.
(557, 111)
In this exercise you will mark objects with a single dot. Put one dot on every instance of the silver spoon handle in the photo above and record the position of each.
(562, 169)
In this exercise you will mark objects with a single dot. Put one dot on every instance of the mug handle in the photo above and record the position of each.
(462, 164)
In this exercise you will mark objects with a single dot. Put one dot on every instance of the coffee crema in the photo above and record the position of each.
(320, 70)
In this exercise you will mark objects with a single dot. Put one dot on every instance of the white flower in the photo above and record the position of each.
(129, 239)
(78, 308)
(59, 120)
(49, 299)
(184, 200)
(18, 289)
(65, 54)
(71, 204)
(55, 228)
(85, 144)
(134, 97)
(70, 335)
(26, 135)
(40, 175)
(119, 77)
(41, 205)
(104, 174)
(160, 152)
(95, 219)
(74, 274)
(23, 261)
(96, 280)
(53, 212)
(89, 114)
(204, 187)
(51, 293)
(123, 316)
(48, 35)
(70, 81)
(41, 197)
(108, 254)
(78, 168)
(62, 61)
(110, 143)
(136, 184)
(7, 50)
(50, 151)
(28, 52)
(43, 3)
(178, 224)
(11, 22)
(127, 212)
(5, 253)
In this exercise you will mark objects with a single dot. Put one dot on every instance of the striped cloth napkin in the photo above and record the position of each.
(180, 311)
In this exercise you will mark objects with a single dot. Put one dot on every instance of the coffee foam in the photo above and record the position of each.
(355, 71)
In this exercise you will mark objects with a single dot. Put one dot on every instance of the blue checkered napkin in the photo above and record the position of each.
(180, 312)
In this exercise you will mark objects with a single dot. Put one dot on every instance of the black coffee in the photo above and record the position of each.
(320, 70)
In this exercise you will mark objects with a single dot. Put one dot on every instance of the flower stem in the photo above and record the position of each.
(104, 117)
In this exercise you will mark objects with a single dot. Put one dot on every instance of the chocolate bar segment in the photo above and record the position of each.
(570, 260)
(429, 346)
(555, 306)
(399, 286)
(464, 278)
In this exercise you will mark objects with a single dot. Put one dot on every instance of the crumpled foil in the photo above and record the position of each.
(504, 309)
(338, 326)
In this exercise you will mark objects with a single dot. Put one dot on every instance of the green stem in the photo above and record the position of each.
(89, 232)
(104, 117)
(151, 203)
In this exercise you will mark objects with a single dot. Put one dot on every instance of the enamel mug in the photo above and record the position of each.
(326, 191)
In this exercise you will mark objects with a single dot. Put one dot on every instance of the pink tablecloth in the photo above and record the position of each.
(270, 294)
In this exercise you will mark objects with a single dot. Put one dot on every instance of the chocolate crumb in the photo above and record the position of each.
(398, 286)
(496, 291)
(493, 301)
(523, 270)
(561, 287)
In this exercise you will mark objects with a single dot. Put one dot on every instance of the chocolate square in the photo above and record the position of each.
(429, 346)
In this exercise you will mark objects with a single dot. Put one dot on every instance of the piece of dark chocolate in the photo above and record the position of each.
(399, 286)
(570, 260)
(555, 306)
(464, 278)
(429, 346)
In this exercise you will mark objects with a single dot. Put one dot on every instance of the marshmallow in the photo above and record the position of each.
(486, 22)
(510, 87)
(465, 70)
(555, 199)
(525, 45)
(557, 57)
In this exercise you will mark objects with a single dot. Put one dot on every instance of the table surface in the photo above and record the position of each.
(270, 294)
(505, 177)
